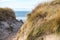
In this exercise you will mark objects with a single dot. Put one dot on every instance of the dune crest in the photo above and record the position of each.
(42, 23)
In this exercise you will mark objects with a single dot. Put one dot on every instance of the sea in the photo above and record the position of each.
(21, 15)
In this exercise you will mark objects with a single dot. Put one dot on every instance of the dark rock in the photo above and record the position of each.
(8, 24)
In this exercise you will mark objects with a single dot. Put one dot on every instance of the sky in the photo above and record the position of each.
(21, 5)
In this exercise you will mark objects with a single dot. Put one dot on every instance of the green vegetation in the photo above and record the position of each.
(5, 13)
(43, 20)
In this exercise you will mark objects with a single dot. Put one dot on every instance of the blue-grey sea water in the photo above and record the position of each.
(21, 15)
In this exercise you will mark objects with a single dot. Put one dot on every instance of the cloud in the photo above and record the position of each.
(3, 0)
(6, 0)
(21, 4)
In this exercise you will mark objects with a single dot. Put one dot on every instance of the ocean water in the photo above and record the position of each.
(21, 15)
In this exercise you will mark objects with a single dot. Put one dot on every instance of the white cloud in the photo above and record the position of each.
(3, 0)
(20, 4)
(6, 0)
